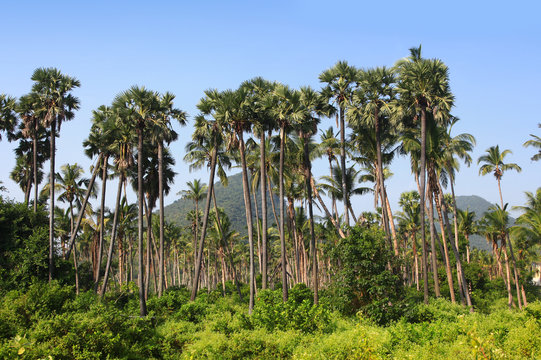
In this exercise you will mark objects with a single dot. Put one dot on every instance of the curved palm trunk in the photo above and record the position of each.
(281, 198)
(515, 273)
(343, 165)
(51, 202)
(327, 213)
(161, 259)
(445, 249)
(83, 207)
(263, 189)
(248, 207)
(433, 246)
(113, 237)
(199, 256)
(307, 184)
(381, 180)
(140, 194)
(422, 202)
(102, 222)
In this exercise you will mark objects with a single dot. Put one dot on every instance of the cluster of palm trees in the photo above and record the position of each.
(267, 129)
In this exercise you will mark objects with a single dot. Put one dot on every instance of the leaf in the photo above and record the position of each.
(21, 351)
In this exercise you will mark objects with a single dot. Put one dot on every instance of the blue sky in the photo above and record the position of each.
(492, 51)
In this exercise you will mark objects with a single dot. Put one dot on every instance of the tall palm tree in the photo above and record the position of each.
(423, 86)
(340, 80)
(58, 103)
(8, 116)
(23, 173)
(535, 142)
(493, 163)
(30, 113)
(196, 192)
(330, 146)
(163, 133)
(373, 102)
(286, 112)
(136, 108)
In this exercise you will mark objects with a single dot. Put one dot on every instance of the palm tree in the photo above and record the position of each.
(340, 79)
(467, 226)
(493, 163)
(164, 133)
(409, 220)
(23, 172)
(373, 102)
(137, 106)
(196, 192)
(8, 116)
(535, 142)
(29, 111)
(329, 145)
(286, 111)
(423, 86)
(58, 104)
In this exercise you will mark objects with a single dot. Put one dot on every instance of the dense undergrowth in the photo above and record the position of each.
(50, 321)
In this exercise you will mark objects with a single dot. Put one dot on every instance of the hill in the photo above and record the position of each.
(230, 198)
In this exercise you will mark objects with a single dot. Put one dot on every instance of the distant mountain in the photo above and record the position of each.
(230, 198)
(479, 206)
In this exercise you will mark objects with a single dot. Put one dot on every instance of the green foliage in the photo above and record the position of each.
(363, 281)
(297, 313)
(24, 241)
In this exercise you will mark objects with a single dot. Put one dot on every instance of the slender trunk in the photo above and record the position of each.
(201, 244)
(454, 246)
(281, 199)
(508, 274)
(140, 194)
(257, 226)
(27, 190)
(500, 191)
(273, 205)
(161, 260)
(313, 248)
(433, 247)
(343, 164)
(416, 259)
(445, 249)
(422, 202)
(263, 189)
(515, 273)
(148, 212)
(333, 221)
(102, 222)
(248, 207)
(391, 221)
(333, 198)
(35, 162)
(51, 202)
(382, 179)
(113, 237)
(83, 207)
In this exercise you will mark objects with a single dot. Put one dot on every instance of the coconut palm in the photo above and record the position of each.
(535, 142)
(29, 111)
(136, 108)
(286, 112)
(493, 163)
(372, 103)
(58, 103)
(8, 116)
(340, 80)
(467, 226)
(423, 86)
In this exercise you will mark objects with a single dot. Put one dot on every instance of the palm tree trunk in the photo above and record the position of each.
(273, 205)
(433, 246)
(508, 274)
(35, 163)
(83, 207)
(161, 259)
(51, 201)
(199, 254)
(257, 226)
(333, 221)
(445, 249)
(148, 212)
(281, 198)
(248, 207)
(515, 273)
(391, 221)
(263, 189)
(140, 194)
(113, 237)
(313, 248)
(343, 164)
(381, 178)
(422, 202)
(28, 190)
(102, 222)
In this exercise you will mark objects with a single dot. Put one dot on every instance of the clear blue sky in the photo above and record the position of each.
(493, 52)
